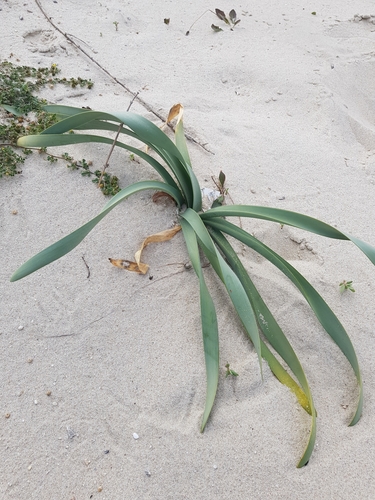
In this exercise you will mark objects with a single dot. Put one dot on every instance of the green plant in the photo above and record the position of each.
(116, 23)
(25, 115)
(9, 162)
(207, 232)
(230, 20)
(229, 371)
(346, 285)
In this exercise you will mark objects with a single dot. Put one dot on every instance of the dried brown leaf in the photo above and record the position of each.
(177, 110)
(161, 195)
(138, 266)
(125, 264)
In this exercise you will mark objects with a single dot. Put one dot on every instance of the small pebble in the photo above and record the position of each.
(48, 393)
(21, 18)
(35, 401)
(215, 467)
(30, 360)
(100, 488)
(20, 328)
(29, 467)
(148, 473)
(54, 403)
(135, 435)
(7, 415)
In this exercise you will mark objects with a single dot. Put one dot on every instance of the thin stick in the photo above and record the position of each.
(131, 102)
(143, 103)
(109, 154)
(87, 267)
(205, 12)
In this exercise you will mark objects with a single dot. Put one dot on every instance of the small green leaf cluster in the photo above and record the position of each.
(229, 371)
(9, 162)
(230, 20)
(18, 85)
(24, 112)
(346, 285)
(108, 183)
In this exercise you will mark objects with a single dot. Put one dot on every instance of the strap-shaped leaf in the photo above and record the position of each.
(291, 219)
(321, 309)
(69, 242)
(233, 285)
(49, 140)
(277, 339)
(209, 323)
(143, 130)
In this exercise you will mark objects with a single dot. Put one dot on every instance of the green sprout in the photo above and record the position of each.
(230, 20)
(346, 285)
(206, 237)
(230, 371)
(116, 23)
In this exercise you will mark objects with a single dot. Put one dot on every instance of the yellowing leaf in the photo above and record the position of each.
(176, 111)
(138, 266)
(125, 264)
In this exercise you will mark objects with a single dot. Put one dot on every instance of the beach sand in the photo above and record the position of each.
(103, 377)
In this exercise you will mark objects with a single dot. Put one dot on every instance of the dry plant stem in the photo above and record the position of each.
(109, 155)
(114, 142)
(87, 267)
(205, 12)
(134, 94)
(229, 196)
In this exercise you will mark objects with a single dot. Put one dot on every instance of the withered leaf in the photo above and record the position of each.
(216, 28)
(159, 195)
(125, 264)
(176, 110)
(166, 20)
(138, 266)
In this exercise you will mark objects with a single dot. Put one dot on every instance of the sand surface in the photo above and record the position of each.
(284, 105)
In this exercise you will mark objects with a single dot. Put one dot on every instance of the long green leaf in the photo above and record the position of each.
(321, 309)
(289, 218)
(233, 285)
(209, 323)
(143, 130)
(49, 140)
(277, 339)
(69, 242)
(59, 109)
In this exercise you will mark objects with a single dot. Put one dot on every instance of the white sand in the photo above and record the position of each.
(285, 105)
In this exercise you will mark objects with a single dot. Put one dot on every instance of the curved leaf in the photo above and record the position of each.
(69, 242)
(209, 323)
(321, 309)
(141, 129)
(43, 141)
(291, 219)
(233, 285)
(277, 339)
